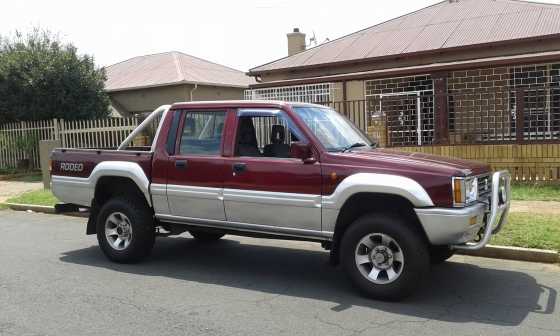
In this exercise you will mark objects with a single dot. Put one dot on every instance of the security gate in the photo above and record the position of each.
(409, 117)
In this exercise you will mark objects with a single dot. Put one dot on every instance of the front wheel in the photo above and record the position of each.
(439, 254)
(384, 257)
(125, 230)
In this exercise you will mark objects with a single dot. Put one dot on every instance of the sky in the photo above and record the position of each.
(240, 34)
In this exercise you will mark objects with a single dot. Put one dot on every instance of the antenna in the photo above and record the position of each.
(312, 40)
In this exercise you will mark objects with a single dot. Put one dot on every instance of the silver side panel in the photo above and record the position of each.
(248, 227)
(77, 190)
(371, 183)
(282, 210)
(159, 198)
(197, 202)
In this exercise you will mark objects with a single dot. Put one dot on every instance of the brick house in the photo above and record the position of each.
(472, 78)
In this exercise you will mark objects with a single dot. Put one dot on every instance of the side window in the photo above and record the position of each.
(202, 133)
(265, 135)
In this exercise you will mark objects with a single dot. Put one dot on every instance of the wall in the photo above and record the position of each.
(133, 102)
(526, 162)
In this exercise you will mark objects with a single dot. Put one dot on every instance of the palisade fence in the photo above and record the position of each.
(100, 133)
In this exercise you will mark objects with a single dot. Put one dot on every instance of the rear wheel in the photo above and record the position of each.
(125, 230)
(206, 236)
(384, 257)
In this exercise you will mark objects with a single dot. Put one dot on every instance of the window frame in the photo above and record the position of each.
(266, 112)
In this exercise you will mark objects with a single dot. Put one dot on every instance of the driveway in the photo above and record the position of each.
(54, 280)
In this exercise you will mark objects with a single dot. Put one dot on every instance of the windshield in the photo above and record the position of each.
(334, 131)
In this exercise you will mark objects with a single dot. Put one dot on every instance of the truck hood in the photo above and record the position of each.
(419, 162)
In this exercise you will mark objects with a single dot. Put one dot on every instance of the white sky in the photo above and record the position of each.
(240, 34)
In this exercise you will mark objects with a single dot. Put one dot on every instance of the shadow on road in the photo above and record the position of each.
(454, 292)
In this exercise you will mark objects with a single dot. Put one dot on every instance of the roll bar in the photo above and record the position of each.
(160, 111)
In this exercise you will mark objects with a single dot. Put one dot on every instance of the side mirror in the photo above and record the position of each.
(300, 150)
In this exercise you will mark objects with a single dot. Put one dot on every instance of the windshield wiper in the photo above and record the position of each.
(354, 145)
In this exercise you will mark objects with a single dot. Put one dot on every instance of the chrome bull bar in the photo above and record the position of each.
(499, 209)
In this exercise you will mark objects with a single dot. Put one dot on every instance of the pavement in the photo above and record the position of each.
(55, 281)
(536, 207)
(14, 188)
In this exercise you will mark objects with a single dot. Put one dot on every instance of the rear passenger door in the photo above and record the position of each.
(196, 176)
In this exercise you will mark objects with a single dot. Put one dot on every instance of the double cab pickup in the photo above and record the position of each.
(287, 171)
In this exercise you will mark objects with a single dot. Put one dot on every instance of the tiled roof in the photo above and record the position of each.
(171, 68)
(448, 24)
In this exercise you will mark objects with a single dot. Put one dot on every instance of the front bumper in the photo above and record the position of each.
(460, 227)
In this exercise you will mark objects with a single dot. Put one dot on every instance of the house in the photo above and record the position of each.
(478, 79)
(141, 84)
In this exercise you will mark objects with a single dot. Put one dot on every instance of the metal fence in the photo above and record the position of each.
(100, 133)
(498, 116)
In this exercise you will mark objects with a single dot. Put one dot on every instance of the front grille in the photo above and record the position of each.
(484, 186)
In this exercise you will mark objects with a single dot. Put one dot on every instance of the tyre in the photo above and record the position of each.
(206, 236)
(125, 230)
(439, 254)
(384, 257)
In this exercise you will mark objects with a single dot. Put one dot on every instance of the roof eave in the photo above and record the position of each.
(418, 69)
(254, 72)
(175, 84)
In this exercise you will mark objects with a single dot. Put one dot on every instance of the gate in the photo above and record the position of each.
(409, 117)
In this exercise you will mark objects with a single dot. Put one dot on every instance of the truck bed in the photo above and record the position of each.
(81, 162)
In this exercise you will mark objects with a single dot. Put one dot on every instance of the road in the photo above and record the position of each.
(55, 281)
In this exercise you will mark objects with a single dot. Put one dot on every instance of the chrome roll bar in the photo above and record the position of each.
(499, 209)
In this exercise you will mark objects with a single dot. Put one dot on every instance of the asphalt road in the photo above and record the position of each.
(55, 281)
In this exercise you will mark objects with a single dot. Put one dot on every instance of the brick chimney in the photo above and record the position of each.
(296, 42)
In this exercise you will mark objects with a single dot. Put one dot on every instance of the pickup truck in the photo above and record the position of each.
(289, 171)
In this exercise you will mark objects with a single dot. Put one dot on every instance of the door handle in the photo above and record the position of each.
(181, 164)
(239, 168)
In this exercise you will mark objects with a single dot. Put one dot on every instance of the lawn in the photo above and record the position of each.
(39, 197)
(535, 192)
(530, 230)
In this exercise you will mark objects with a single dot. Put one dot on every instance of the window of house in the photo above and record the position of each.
(202, 133)
(541, 94)
(266, 133)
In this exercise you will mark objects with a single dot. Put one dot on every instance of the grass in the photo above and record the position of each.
(535, 192)
(29, 178)
(530, 230)
(38, 197)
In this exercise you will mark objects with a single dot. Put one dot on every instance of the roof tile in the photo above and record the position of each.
(446, 24)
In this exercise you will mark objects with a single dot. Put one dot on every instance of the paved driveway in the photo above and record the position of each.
(55, 281)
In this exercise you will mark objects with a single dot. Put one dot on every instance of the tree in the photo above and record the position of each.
(44, 78)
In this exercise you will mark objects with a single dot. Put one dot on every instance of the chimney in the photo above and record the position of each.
(296, 42)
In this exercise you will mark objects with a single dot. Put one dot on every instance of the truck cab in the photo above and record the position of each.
(288, 171)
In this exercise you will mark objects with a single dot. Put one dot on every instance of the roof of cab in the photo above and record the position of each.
(238, 104)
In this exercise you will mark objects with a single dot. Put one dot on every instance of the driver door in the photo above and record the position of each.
(263, 184)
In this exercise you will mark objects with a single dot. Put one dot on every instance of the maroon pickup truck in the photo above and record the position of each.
(288, 171)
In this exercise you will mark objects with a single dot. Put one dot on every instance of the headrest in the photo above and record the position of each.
(277, 134)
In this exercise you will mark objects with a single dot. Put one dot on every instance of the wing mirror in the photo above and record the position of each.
(300, 150)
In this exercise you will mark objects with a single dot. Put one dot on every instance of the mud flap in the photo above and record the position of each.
(92, 220)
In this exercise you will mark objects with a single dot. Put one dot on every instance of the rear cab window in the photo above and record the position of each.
(202, 133)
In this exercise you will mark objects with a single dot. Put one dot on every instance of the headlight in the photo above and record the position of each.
(465, 190)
